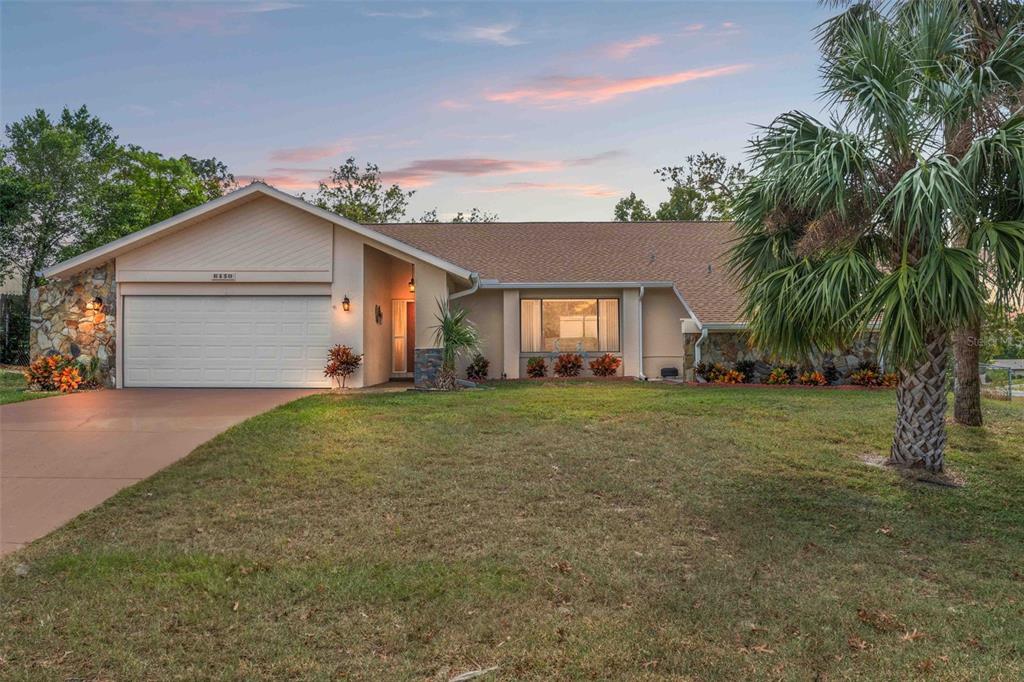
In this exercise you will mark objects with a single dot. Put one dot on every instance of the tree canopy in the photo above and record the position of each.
(701, 189)
(67, 185)
(362, 195)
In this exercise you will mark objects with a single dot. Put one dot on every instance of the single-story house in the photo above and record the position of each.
(252, 288)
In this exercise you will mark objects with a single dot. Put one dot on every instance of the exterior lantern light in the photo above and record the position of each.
(345, 304)
(412, 278)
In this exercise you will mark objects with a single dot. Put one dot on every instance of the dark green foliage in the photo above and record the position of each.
(361, 195)
(477, 369)
(702, 189)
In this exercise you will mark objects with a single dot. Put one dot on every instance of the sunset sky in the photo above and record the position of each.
(534, 111)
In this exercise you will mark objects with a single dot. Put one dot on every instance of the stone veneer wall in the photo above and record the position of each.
(428, 364)
(63, 321)
(729, 347)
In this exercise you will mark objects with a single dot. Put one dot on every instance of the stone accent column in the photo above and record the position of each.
(428, 364)
(77, 317)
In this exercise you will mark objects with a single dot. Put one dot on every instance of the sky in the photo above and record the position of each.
(531, 110)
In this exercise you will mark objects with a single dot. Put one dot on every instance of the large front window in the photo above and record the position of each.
(568, 324)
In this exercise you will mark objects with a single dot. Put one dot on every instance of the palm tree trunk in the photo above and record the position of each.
(446, 379)
(920, 437)
(967, 392)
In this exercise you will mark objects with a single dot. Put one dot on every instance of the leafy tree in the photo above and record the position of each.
(632, 209)
(702, 189)
(146, 188)
(67, 185)
(53, 173)
(475, 216)
(1002, 334)
(361, 195)
(868, 219)
(214, 175)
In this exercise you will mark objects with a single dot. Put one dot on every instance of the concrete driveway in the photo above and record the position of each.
(64, 455)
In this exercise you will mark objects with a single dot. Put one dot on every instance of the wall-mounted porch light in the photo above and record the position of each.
(412, 279)
(346, 304)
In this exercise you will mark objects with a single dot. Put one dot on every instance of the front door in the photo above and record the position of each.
(403, 336)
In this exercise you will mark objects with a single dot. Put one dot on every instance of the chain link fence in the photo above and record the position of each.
(14, 329)
(1002, 379)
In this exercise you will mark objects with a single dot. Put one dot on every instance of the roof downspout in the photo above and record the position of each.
(640, 324)
(696, 345)
(475, 279)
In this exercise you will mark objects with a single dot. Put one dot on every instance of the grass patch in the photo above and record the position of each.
(13, 389)
(562, 530)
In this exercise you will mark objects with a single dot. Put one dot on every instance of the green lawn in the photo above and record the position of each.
(556, 531)
(14, 390)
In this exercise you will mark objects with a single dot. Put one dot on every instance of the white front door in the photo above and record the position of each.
(226, 341)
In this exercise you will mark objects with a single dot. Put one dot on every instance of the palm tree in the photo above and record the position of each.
(456, 336)
(868, 221)
(974, 83)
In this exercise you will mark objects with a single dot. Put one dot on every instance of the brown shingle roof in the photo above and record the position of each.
(678, 252)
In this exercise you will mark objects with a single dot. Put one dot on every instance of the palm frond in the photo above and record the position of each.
(454, 333)
(1000, 247)
(922, 203)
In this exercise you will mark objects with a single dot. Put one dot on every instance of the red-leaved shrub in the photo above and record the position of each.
(568, 365)
(814, 378)
(342, 363)
(536, 368)
(729, 376)
(605, 366)
(54, 373)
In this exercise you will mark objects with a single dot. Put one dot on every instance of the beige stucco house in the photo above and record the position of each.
(251, 289)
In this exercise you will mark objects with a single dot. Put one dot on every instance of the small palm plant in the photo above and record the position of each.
(456, 336)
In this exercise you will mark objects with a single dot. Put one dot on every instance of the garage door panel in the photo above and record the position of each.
(226, 340)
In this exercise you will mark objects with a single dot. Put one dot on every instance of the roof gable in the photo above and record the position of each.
(228, 202)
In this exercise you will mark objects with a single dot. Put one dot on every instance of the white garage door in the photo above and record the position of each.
(226, 341)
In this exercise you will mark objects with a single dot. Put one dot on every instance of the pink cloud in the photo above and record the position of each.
(582, 189)
(290, 179)
(453, 104)
(307, 154)
(424, 172)
(566, 90)
(623, 49)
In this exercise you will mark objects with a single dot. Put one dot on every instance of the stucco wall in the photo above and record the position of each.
(484, 309)
(377, 289)
(77, 316)
(663, 334)
(347, 327)
(431, 287)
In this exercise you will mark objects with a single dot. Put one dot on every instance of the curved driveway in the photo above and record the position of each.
(64, 455)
